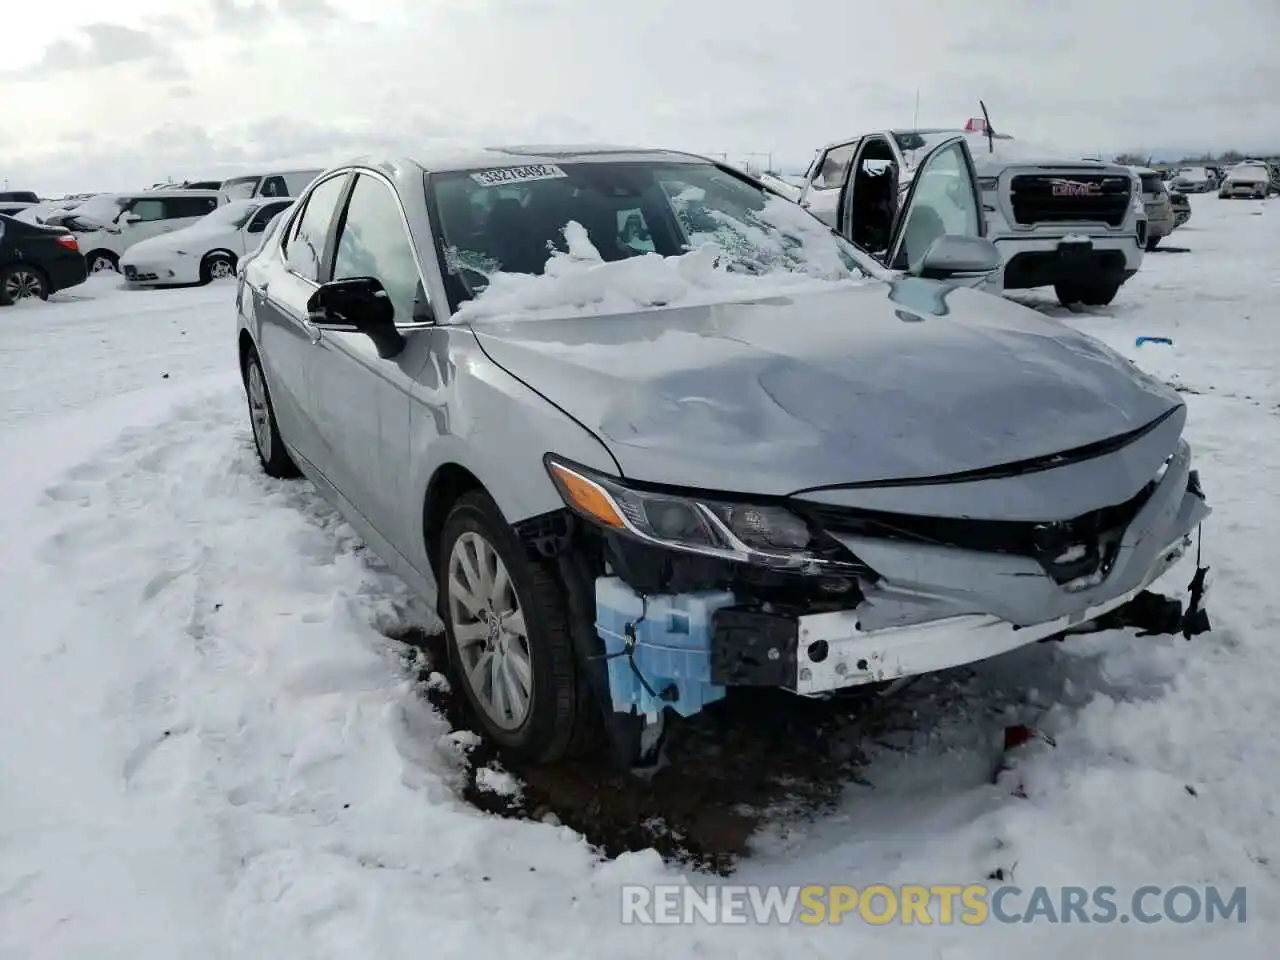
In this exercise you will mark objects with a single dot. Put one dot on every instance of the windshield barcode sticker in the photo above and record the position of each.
(501, 175)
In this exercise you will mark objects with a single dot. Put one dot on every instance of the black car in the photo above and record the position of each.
(18, 196)
(36, 261)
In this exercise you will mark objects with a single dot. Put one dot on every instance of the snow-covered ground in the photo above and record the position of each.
(209, 749)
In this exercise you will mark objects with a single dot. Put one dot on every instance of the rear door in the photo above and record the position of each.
(280, 283)
(821, 192)
(944, 199)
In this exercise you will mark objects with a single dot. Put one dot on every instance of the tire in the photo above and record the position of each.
(272, 454)
(537, 715)
(100, 261)
(1152, 243)
(217, 266)
(1096, 294)
(21, 281)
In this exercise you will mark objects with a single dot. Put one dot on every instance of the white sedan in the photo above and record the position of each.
(207, 250)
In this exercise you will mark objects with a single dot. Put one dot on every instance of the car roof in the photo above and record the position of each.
(450, 160)
(1145, 170)
(161, 194)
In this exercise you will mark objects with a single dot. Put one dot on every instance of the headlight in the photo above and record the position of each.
(748, 533)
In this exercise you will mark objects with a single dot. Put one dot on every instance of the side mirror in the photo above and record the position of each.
(952, 256)
(359, 304)
(128, 218)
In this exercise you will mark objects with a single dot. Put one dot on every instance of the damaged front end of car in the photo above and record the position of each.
(680, 595)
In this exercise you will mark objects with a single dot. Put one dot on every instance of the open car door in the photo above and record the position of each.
(944, 199)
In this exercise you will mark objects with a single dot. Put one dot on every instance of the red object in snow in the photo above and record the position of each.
(1017, 735)
(976, 125)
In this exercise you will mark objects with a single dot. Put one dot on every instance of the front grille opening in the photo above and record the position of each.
(1066, 550)
(1071, 197)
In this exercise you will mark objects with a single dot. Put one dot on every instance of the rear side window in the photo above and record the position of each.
(180, 207)
(304, 253)
(1151, 183)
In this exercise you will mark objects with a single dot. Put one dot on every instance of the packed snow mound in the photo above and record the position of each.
(787, 252)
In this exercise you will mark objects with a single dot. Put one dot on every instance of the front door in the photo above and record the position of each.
(362, 400)
(944, 199)
(821, 191)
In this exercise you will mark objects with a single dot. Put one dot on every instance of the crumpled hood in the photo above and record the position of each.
(862, 385)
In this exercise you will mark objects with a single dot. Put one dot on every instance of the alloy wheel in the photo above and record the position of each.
(23, 285)
(489, 631)
(259, 411)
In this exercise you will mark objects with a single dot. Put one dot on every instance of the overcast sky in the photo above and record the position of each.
(118, 95)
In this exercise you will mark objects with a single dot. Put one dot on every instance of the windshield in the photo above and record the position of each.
(513, 221)
(102, 210)
(240, 188)
(1249, 171)
(229, 216)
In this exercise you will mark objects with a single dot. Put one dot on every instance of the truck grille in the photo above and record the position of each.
(1052, 198)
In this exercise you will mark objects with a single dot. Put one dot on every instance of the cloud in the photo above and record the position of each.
(310, 11)
(712, 76)
(101, 45)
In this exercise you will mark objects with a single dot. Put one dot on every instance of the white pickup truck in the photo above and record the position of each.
(1078, 226)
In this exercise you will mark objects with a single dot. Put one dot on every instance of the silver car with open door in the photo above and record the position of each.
(646, 432)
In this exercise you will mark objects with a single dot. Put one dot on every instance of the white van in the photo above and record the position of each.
(276, 183)
(109, 224)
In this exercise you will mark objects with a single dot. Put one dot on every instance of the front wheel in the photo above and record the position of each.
(1096, 294)
(217, 266)
(507, 626)
(102, 261)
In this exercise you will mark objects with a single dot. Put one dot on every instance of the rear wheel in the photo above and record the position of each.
(20, 281)
(102, 261)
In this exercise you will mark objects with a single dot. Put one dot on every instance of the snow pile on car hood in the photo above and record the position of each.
(579, 281)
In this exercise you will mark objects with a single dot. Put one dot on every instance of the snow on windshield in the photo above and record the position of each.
(240, 188)
(608, 238)
(100, 211)
(229, 216)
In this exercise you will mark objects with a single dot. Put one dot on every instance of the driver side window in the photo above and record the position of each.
(831, 168)
(944, 202)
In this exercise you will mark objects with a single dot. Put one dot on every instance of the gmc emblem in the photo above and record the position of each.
(1075, 188)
